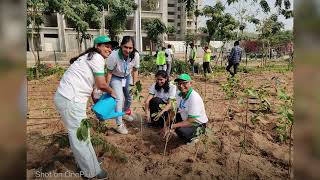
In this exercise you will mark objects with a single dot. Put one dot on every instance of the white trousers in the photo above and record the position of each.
(72, 113)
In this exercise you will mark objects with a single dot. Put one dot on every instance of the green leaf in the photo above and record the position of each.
(79, 134)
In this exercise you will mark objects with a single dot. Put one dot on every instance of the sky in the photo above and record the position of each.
(251, 9)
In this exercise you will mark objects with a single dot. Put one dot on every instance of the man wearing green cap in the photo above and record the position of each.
(191, 111)
(71, 97)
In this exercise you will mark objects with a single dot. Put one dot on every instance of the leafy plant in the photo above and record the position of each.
(286, 119)
(231, 87)
(83, 132)
(44, 70)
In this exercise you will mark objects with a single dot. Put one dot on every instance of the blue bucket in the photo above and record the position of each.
(105, 108)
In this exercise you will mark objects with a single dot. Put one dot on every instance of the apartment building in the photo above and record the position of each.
(58, 35)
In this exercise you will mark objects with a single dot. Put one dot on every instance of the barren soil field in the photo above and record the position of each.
(237, 148)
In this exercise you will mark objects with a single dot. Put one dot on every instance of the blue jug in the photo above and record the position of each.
(105, 108)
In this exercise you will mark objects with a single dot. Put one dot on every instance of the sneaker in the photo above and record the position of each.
(194, 141)
(102, 175)
(128, 112)
(121, 129)
(128, 118)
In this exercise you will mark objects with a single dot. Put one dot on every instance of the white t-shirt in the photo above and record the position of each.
(161, 94)
(121, 67)
(192, 106)
(169, 52)
(78, 81)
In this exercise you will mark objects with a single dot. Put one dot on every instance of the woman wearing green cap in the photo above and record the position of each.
(75, 88)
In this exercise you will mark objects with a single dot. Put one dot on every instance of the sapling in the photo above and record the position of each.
(83, 132)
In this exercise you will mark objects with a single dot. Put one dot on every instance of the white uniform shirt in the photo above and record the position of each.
(169, 52)
(192, 106)
(161, 94)
(78, 81)
(121, 67)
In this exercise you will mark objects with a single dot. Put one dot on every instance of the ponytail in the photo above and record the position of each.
(90, 51)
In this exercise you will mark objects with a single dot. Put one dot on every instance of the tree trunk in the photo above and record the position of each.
(38, 56)
(150, 47)
(32, 46)
(186, 53)
(78, 41)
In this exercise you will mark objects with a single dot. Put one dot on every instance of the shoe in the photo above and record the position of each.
(102, 175)
(121, 129)
(128, 111)
(194, 141)
(128, 118)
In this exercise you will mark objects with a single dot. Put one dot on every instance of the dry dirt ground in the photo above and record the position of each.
(262, 157)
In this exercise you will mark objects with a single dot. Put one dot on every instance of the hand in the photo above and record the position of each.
(113, 94)
(158, 116)
(147, 117)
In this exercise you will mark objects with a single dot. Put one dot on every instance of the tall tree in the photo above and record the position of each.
(154, 28)
(80, 14)
(117, 17)
(267, 29)
(84, 14)
(35, 18)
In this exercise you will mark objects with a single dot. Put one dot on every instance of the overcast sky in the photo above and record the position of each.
(252, 9)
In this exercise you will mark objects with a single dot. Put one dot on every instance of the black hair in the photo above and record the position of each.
(169, 45)
(90, 51)
(236, 43)
(163, 48)
(191, 44)
(127, 39)
(166, 86)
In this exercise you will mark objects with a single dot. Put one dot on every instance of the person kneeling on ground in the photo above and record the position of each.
(161, 92)
(191, 112)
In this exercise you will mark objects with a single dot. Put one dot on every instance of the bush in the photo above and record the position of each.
(179, 67)
(44, 70)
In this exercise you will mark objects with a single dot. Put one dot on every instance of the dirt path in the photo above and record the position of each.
(262, 157)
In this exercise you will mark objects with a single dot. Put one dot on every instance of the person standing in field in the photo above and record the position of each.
(206, 60)
(234, 58)
(161, 59)
(76, 86)
(192, 56)
(122, 65)
(169, 58)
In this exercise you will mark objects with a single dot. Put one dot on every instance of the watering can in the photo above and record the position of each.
(105, 108)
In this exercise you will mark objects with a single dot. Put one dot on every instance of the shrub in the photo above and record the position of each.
(44, 70)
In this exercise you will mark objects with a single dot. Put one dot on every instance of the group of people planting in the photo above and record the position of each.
(113, 69)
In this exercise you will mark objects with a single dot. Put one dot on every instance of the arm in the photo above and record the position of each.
(187, 123)
(101, 83)
(146, 107)
(146, 102)
(108, 77)
(134, 74)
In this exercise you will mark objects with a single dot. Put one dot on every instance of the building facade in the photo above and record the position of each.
(57, 34)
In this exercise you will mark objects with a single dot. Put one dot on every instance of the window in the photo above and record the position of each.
(50, 35)
(178, 24)
(171, 5)
(179, 8)
(171, 13)
(178, 16)
(170, 20)
(189, 23)
(50, 20)
(178, 32)
(130, 24)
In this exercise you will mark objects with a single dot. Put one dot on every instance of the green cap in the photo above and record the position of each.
(183, 77)
(105, 39)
